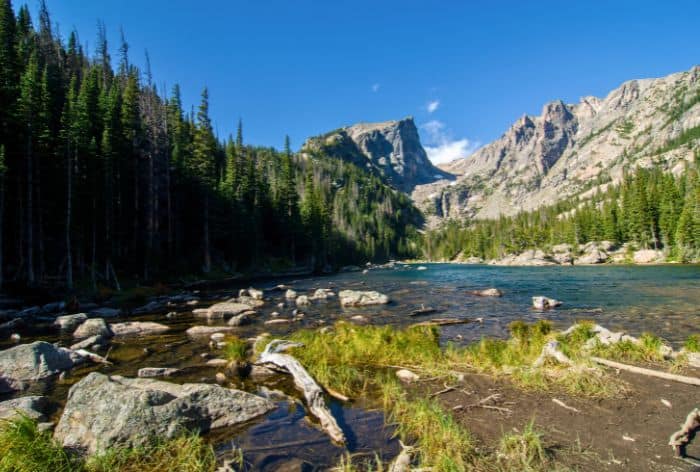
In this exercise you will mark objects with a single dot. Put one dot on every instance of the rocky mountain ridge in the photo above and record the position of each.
(391, 150)
(573, 149)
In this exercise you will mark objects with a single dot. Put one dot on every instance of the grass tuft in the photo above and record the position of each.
(692, 344)
(523, 451)
(23, 448)
(235, 349)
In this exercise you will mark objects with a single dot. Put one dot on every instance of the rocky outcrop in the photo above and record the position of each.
(362, 298)
(571, 149)
(647, 256)
(103, 412)
(592, 253)
(21, 365)
(391, 150)
(70, 322)
(531, 257)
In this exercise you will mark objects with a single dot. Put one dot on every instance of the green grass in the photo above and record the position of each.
(692, 344)
(523, 451)
(235, 349)
(23, 448)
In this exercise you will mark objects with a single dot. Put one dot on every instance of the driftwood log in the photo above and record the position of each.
(273, 355)
(680, 439)
(551, 351)
(92, 356)
(649, 372)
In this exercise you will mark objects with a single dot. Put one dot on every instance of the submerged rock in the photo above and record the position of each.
(487, 292)
(26, 363)
(206, 331)
(224, 310)
(362, 298)
(93, 327)
(544, 303)
(35, 407)
(103, 412)
(149, 372)
(138, 328)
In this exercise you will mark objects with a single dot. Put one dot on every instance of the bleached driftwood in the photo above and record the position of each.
(648, 372)
(680, 439)
(551, 351)
(402, 463)
(564, 405)
(92, 356)
(302, 379)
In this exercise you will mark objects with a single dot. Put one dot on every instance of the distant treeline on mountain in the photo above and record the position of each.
(649, 209)
(103, 176)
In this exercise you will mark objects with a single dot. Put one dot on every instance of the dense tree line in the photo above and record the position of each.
(102, 177)
(650, 208)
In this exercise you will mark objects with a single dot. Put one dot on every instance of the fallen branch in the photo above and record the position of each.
(92, 356)
(564, 405)
(648, 372)
(444, 390)
(680, 439)
(336, 394)
(304, 382)
(402, 463)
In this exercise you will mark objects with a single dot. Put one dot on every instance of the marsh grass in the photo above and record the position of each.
(24, 448)
(692, 344)
(235, 349)
(523, 451)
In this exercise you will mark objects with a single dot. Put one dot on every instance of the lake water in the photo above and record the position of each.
(664, 300)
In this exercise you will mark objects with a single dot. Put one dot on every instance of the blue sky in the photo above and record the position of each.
(464, 70)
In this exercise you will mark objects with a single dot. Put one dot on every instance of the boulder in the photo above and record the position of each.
(34, 407)
(592, 253)
(70, 322)
(407, 376)
(544, 303)
(103, 412)
(322, 294)
(362, 298)
(105, 312)
(206, 331)
(26, 363)
(224, 310)
(93, 327)
(137, 328)
(290, 294)
(247, 300)
(255, 293)
(487, 292)
(302, 300)
(149, 372)
(647, 256)
(240, 320)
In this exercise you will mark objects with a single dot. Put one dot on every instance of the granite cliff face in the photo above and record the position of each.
(391, 149)
(573, 149)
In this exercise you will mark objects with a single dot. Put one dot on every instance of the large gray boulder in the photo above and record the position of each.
(592, 253)
(34, 407)
(224, 310)
(93, 327)
(362, 298)
(27, 363)
(103, 412)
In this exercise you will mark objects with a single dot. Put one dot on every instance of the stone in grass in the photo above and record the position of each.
(103, 412)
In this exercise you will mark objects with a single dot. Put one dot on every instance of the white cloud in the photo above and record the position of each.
(441, 147)
(375, 88)
(432, 106)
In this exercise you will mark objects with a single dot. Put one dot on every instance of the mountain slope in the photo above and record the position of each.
(573, 149)
(391, 150)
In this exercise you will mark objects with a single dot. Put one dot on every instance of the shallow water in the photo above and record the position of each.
(664, 300)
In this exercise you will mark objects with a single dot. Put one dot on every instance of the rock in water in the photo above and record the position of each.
(138, 328)
(70, 322)
(93, 327)
(302, 300)
(226, 309)
(148, 372)
(26, 363)
(362, 298)
(103, 412)
(488, 292)
(290, 294)
(544, 303)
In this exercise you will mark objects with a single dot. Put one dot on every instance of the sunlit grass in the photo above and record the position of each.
(24, 448)
(692, 344)
(235, 349)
